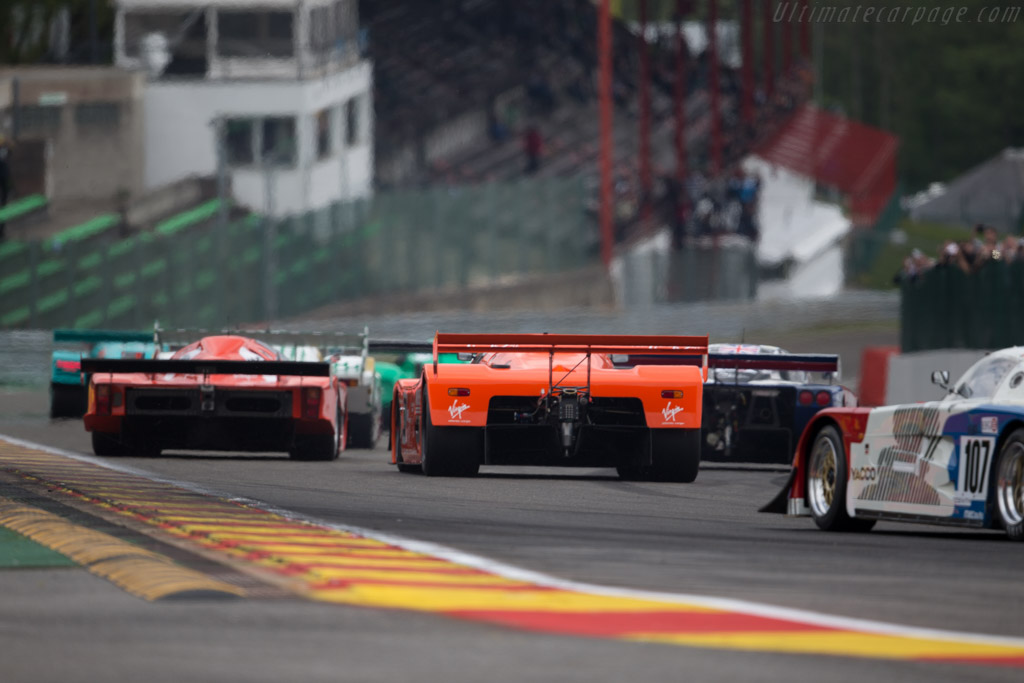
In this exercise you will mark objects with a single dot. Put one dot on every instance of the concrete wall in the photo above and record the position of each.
(909, 376)
(91, 156)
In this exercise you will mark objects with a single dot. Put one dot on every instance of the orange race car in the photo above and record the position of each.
(226, 393)
(566, 400)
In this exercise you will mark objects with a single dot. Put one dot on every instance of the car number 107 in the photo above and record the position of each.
(975, 456)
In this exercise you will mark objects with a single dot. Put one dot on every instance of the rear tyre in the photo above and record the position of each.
(320, 447)
(67, 400)
(827, 477)
(675, 455)
(1008, 477)
(364, 430)
(107, 445)
(450, 451)
(141, 446)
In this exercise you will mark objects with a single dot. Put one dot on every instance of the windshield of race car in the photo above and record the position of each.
(985, 376)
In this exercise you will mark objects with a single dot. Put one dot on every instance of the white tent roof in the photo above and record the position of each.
(991, 193)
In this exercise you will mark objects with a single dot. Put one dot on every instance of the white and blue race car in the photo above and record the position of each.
(957, 461)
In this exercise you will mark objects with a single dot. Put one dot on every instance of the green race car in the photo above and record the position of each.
(68, 386)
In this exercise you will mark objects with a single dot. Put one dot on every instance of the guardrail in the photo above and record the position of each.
(191, 271)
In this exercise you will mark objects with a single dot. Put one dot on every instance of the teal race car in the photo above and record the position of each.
(402, 365)
(68, 386)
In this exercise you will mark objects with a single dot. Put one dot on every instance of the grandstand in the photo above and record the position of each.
(455, 88)
(456, 85)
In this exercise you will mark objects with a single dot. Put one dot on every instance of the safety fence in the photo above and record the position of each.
(246, 269)
(946, 308)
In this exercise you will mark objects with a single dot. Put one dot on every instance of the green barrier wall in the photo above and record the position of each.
(945, 308)
(253, 269)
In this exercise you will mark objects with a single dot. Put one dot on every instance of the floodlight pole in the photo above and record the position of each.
(768, 27)
(716, 114)
(805, 28)
(679, 100)
(747, 68)
(787, 40)
(645, 111)
(220, 130)
(604, 53)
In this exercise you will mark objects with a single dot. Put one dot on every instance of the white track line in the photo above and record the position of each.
(520, 574)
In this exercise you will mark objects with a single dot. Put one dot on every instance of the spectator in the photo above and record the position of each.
(1010, 250)
(533, 146)
(540, 91)
(497, 128)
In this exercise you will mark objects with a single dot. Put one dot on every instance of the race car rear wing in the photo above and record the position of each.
(98, 336)
(742, 361)
(807, 362)
(400, 346)
(328, 342)
(669, 345)
(290, 368)
(588, 344)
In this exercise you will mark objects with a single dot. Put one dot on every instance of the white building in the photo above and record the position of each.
(282, 82)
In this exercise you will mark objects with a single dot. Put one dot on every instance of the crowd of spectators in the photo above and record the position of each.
(715, 207)
(969, 255)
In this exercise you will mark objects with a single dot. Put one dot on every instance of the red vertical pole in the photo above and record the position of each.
(787, 37)
(805, 29)
(604, 53)
(747, 73)
(768, 26)
(679, 95)
(645, 108)
(716, 117)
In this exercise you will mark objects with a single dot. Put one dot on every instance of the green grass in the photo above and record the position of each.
(19, 552)
(928, 237)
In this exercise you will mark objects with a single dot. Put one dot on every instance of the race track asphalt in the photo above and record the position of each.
(705, 538)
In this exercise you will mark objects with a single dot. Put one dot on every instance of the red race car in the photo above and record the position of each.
(225, 393)
(553, 399)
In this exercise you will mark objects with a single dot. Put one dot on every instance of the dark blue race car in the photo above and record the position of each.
(759, 398)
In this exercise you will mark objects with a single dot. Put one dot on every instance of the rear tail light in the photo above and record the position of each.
(823, 398)
(671, 393)
(103, 399)
(69, 365)
(458, 392)
(311, 403)
(806, 398)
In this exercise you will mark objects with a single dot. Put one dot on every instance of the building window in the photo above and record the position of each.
(138, 24)
(324, 134)
(238, 142)
(255, 34)
(97, 115)
(266, 141)
(278, 148)
(346, 20)
(39, 120)
(352, 127)
(321, 29)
